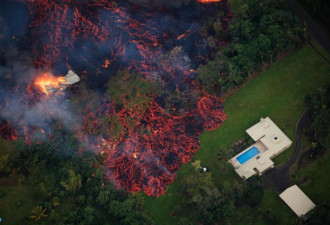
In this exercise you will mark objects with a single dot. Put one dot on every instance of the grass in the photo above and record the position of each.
(16, 200)
(252, 216)
(317, 184)
(277, 93)
(313, 178)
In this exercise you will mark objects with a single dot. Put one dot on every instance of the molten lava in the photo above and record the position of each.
(143, 145)
(208, 1)
(47, 82)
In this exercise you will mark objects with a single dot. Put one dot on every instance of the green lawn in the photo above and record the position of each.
(313, 178)
(277, 93)
(317, 184)
(16, 199)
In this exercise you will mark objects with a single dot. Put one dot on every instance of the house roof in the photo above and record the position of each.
(270, 141)
(270, 135)
(296, 199)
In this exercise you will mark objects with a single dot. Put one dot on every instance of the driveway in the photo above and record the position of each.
(277, 177)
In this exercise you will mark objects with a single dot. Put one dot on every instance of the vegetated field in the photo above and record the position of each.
(278, 93)
(15, 198)
(314, 178)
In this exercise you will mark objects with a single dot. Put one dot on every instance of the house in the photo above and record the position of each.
(270, 141)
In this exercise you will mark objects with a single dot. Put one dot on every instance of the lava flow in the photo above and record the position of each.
(143, 144)
(208, 1)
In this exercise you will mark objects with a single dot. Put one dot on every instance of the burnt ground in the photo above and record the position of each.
(277, 178)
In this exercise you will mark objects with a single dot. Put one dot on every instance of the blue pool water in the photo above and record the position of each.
(247, 155)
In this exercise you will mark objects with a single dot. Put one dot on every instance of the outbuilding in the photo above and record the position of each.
(297, 200)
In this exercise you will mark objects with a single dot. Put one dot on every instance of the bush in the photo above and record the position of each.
(177, 210)
(254, 196)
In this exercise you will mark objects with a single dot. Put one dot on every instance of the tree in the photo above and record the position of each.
(116, 127)
(223, 155)
(197, 165)
(320, 215)
(184, 221)
(4, 164)
(207, 198)
(131, 91)
(73, 183)
(213, 75)
(254, 197)
(317, 126)
(38, 213)
(196, 182)
(240, 190)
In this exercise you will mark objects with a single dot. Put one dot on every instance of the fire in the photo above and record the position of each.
(155, 141)
(46, 82)
(208, 1)
(106, 63)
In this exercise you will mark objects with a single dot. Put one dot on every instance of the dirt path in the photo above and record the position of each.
(277, 177)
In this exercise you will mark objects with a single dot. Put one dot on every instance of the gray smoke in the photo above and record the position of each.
(163, 3)
(24, 110)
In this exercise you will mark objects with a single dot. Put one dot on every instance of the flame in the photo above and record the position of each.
(135, 155)
(106, 63)
(155, 142)
(47, 81)
(208, 1)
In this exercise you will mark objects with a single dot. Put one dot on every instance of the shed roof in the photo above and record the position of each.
(297, 200)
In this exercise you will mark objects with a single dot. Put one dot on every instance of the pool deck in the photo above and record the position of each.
(270, 141)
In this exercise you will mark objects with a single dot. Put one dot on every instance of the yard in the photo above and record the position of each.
(278, 93)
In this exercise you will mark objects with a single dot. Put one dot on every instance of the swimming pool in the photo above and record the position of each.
(247, 155)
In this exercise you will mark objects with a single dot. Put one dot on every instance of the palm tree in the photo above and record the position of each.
(38, 213)
(73, 184)
(240, 190)
(223, 155)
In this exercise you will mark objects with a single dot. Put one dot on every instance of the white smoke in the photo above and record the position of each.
(23, 109)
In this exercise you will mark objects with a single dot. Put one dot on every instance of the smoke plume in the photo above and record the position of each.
(17, 73)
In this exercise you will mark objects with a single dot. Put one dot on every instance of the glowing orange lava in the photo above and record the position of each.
(208, 1)
(46, 82)
(106, 63)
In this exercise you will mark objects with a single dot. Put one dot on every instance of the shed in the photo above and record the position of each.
(297, 200)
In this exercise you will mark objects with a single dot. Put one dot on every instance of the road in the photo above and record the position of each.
(313, 29)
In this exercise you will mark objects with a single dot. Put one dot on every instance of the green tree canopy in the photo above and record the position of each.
(73, 183)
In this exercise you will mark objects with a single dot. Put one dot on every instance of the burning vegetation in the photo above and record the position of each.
(137, 104)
